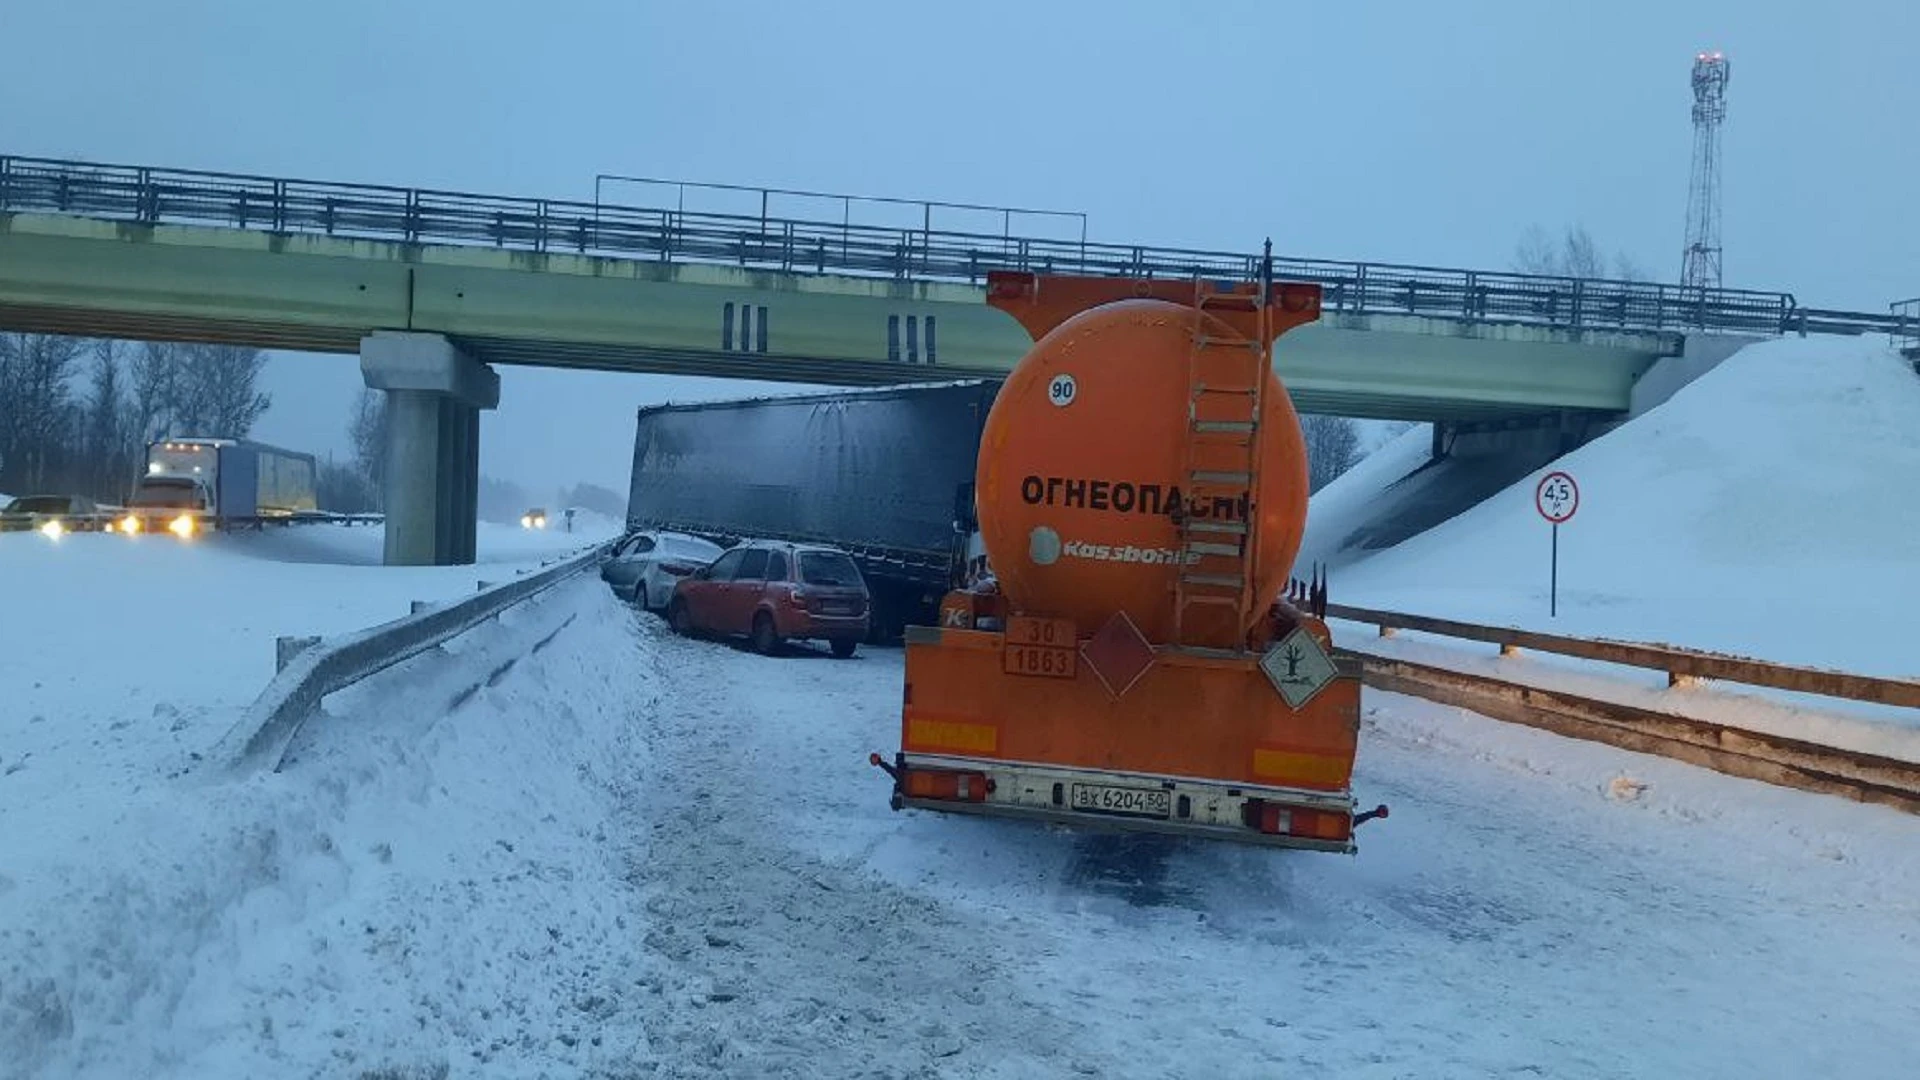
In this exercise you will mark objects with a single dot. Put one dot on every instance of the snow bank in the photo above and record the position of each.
(130, 652)
(433, 883)
(1762, 510)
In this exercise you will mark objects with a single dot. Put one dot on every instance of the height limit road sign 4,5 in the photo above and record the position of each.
(1557, 497)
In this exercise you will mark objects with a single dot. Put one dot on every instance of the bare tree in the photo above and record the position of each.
(154, 367)
(368, 432)
(1333, 443)
(1573, 254)
(35, 375)
(216, 392)
(341, 489)
(108, 419)
(598, 499)
(1625, 268)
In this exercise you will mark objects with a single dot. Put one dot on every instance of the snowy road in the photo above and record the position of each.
(1530, 909)
(573, 845)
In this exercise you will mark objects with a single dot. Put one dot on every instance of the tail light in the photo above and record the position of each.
(1275, 819)
(677, 569)
(948, 784)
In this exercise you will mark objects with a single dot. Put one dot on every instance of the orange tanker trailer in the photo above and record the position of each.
(1132, 661)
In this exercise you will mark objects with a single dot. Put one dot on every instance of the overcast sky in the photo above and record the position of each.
(1403, 131)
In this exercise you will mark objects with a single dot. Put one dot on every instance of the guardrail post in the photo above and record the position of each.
(6, 181)
(279, 206)
(285, 649)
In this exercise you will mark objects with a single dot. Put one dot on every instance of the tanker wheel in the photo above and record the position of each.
(843, 646)
(766, 639)
(680, 618)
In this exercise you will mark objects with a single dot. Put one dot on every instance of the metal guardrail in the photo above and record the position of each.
(260, 739)
(1742, 751)
(1680, 665)
(1906, 332)
(148, 196)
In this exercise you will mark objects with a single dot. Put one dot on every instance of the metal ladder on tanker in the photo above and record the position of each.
(1226, 381)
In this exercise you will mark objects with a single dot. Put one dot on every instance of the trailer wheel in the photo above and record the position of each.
(766, 639)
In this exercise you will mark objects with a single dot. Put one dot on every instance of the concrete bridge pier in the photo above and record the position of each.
(434, 397)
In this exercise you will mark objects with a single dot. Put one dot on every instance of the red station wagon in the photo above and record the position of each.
(772, 592)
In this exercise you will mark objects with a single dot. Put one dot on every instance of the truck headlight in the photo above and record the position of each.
(182, 526)
(130, 524)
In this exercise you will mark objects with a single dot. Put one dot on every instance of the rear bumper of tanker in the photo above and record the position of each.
(1168, 806)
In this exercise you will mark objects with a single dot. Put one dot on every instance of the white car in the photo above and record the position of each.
(646, 565)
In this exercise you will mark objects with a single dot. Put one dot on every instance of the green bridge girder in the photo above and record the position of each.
(84, 276)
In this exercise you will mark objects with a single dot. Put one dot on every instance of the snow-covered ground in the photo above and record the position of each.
(123, 661)
(122, 655)
(629, 854)
(433, 881)
(1535, 906)
(1760, 511)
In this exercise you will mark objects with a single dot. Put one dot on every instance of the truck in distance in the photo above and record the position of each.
(193, 484)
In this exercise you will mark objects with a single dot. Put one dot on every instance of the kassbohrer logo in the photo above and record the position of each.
(1125, 497)
(1126, 553)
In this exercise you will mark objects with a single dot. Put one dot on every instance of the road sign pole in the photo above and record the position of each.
(1553, 577)
(1556, 498)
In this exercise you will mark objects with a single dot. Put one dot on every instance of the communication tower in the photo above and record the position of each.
(1701, 266)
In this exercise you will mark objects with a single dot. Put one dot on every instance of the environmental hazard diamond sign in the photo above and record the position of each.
(1298, 667)
(1118, 653)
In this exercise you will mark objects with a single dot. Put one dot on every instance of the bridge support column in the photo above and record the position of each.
(434, 397)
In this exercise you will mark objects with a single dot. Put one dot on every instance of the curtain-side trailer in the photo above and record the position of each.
(885, 474)
(214, 482)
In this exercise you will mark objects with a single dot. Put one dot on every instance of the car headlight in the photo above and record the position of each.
(53, 530)
(130, 524)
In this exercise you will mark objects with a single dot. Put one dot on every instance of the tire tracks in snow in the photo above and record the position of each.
(766, 960)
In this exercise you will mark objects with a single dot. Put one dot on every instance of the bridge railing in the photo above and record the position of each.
(149, 196)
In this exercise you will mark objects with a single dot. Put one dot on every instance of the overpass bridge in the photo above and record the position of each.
(432, 287)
